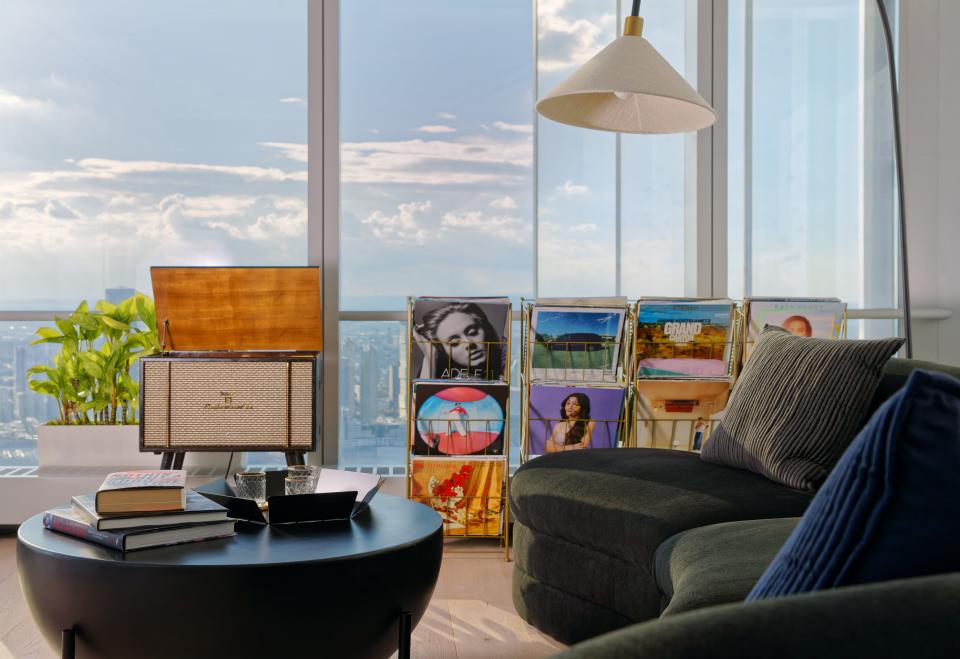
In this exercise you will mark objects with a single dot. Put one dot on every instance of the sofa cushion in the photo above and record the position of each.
(889, 509)
(626, 502)
(797, 405)
(717, 564)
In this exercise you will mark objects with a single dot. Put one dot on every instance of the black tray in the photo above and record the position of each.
(284, 509)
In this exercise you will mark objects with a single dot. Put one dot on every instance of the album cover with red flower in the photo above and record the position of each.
(468, 494)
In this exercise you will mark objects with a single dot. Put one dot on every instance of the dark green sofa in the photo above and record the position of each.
(608, 538)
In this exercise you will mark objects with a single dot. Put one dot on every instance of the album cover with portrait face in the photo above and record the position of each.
(819, 319)
(463, 419)
(564, 418)
(460, 339)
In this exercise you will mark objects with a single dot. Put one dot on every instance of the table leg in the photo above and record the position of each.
(67, 643)
(406, 628)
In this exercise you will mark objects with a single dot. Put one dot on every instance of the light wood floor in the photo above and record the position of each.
(471, 615)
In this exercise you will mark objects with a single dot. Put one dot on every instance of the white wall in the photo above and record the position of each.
(930, 109)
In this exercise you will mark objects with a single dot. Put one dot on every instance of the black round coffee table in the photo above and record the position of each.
(335, 589)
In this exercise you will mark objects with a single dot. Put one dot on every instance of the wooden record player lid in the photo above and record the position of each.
(238, 308)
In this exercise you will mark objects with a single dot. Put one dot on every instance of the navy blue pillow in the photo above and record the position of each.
(890, 508)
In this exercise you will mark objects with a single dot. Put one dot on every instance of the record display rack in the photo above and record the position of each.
(451, 505)
(681, 433)
(570, 374)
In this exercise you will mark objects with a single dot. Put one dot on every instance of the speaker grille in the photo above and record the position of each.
(227, 405)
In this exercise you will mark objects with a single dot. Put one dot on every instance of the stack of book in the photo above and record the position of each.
(141, 509)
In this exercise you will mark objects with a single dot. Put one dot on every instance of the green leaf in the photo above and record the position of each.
(49, 333)
(112, 323)
(146, 312)
(106, 307)
(44, 387)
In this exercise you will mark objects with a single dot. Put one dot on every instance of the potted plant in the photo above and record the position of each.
(90, 379)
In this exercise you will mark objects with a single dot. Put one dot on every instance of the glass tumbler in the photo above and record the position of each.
(310, 471)
(297, 485)
(252, 485)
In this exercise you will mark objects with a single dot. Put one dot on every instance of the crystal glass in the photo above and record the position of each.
(252, 485)
(309, 471)
(297, 485)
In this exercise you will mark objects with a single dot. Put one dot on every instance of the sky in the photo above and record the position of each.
(122, 147)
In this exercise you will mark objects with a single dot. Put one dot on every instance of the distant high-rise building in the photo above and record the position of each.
(349, 357)
(118, 294)
(7, 408)
(369, 402)
(393, 389)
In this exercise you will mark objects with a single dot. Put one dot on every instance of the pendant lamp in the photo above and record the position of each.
(628, 87)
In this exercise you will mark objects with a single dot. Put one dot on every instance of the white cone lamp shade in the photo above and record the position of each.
(628, 87)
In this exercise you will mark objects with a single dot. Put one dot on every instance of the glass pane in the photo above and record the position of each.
(21, 410)
(658, 173)
(436, 150)
(810, 173)
(138, 133)
(373, 402)
(576, 168)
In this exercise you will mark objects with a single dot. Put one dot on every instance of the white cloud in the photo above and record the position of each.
(584, 226)
(269, 227)
(565, 42)
(446, 116)
(571, 188)
(59, 210)
(437, 162)
(10, 102)
(375, 131)
(402, 227)
(289, 150)
(502, 227)
(111, 169)
(217, 206)
(513, 128)
(505, 203)
(293, 100)
(435, 128)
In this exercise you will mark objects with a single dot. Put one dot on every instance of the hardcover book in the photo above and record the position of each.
(144, 490)
(460, 419)
(575, 343)
(68, 521)
(567, 418)
(684, 338)
(468, 494)
(820, 318)
(460, 338)
(198, 509)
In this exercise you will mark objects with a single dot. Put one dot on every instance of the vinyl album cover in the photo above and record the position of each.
(575, 343)
(460, 338)
(468, 494)
(678, 414)
(684, 338)
(459, 419)
(820, 319)
(564, 418)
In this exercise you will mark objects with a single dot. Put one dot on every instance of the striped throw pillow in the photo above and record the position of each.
(797, 406)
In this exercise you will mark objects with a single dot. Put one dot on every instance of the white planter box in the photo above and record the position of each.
(106, 446)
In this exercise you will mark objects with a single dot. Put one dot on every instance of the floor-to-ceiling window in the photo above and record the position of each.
(132, 134)
(811, 197)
